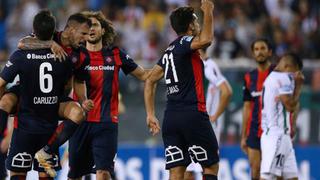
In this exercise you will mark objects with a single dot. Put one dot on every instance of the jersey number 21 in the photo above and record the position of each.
(168, 61)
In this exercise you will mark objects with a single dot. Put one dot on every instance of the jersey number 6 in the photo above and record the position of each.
(45, 87)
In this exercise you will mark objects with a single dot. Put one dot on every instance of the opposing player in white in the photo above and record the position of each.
(280, 97)
(218, 95)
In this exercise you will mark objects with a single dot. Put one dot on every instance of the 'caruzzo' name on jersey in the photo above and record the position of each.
(45, 100)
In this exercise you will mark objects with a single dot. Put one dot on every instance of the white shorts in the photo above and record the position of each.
(278, 158)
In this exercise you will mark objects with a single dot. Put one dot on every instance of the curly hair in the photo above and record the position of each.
(110, 33)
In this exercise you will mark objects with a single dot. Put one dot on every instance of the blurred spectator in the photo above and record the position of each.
(280, 46)
(154, 19)
(228, 47)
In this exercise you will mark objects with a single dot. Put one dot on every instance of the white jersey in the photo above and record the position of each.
(215, 77)
(274, 114)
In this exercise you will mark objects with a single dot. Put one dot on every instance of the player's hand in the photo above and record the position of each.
(58, 52)
(243, 145)
(207, 5)
(87, 105)
(299, 78)
(153, 125)
(213, 118)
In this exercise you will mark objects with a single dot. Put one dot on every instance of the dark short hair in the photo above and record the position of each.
(79, 18)
(44, 25)
(295, 59)
(181, 18)
(265, 40)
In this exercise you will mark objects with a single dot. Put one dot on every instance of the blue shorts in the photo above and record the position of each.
(22, 149)
(253, 142)
(93, 147)
(186, 135)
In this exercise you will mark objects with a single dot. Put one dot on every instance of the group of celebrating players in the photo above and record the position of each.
(73, 75)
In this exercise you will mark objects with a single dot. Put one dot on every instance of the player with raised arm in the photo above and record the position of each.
(42, 84)
(280, 98)
(252, 90)
(218, 96)
(186, 128)
(93, 147)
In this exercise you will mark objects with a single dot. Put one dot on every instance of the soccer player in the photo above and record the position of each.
(42, 83)
(74, 33)
(252, 90)
(280, 98)
(186, 126)
(218, 96)
(95, 142)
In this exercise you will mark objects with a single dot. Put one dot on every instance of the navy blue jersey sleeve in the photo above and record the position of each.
(184, 45)
(160, 63)
(11, 69)
(246, 92)
(80, 61)
(128, 64)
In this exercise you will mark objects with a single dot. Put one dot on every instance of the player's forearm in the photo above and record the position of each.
(149, 95)
(245, 117)
(206, 34)
(30, 43)
(80, 90)
(223, 103)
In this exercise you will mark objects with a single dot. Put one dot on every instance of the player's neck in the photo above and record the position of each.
(94, 47)
(264, 66)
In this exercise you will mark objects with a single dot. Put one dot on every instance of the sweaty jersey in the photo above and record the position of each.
(215, 78)
(183, 74)
(103, 81)
(252, 91)
(274, 113)
(42, 82)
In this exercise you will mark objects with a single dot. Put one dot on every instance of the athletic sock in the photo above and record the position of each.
(18, 177)
(3, 121)
(63, 132)
(209, 177)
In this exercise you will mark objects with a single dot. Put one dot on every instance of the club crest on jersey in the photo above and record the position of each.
(108, 59)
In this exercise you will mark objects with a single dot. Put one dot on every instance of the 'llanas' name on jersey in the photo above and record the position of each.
(45, 100)
(172, 89)
(100, 67)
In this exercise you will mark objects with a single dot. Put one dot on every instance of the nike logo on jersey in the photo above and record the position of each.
(256, 93)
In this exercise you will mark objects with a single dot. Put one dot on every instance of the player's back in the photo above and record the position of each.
(42, 81)
(183, 73)
(274, 114)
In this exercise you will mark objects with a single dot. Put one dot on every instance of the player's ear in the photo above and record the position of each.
(103, 31)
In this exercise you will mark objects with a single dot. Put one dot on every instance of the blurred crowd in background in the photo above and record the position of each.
(144, 30)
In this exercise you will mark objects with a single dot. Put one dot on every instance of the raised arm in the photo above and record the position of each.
(31, 43)
(206, 35)
(149, 96)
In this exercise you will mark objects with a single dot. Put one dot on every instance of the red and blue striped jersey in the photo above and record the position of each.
(103, 81)
(252, 91)
(184, 76)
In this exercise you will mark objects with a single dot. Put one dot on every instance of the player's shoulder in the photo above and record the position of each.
(251, 72)
(19, 54)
